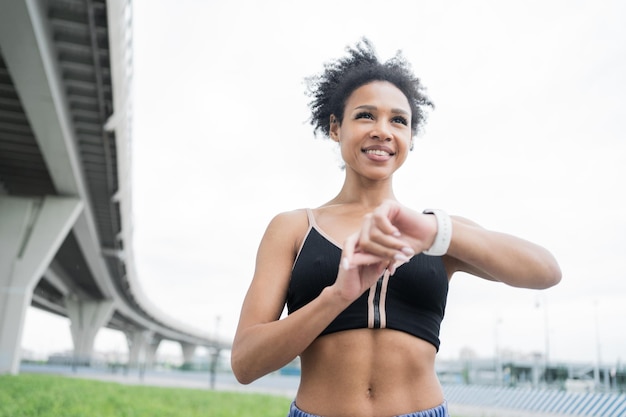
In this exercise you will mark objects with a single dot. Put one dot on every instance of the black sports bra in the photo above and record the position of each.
(413, 300)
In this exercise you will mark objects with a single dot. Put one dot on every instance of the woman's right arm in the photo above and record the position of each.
(263, 343)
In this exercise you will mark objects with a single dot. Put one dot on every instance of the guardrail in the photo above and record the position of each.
(537, 401)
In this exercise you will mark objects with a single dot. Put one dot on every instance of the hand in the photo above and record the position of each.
(388, 238)
(395, 232)
(358, 271)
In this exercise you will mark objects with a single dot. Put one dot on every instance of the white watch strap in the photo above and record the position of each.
(444, 233)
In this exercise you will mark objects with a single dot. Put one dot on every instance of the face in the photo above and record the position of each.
(375, 134)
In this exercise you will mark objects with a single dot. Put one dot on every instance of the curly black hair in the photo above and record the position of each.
(330, 90)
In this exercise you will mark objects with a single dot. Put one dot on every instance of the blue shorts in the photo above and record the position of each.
(440, 411)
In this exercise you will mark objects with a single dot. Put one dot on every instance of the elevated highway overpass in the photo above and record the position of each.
(65, 189)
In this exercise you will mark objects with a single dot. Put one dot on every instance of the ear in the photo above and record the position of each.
(334, 128)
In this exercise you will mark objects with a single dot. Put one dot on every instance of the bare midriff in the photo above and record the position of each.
(368, 373)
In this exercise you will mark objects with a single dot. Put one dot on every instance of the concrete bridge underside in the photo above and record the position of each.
(65, 200)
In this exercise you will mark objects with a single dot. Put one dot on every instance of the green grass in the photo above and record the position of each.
(33, 395)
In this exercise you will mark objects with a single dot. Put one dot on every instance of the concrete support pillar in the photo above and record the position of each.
(151, 351)
(87, 317)
(138, 342)
(188, 351)
(31, 231)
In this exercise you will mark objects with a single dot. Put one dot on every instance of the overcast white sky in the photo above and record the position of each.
(528, 137)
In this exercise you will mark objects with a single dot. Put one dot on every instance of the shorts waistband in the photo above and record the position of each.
(439, 411)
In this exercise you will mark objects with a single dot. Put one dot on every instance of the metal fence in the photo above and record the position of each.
(540, 401)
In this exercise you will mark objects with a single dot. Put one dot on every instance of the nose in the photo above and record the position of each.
(381, 131)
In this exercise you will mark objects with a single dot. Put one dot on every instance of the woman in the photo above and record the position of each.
(365, 279)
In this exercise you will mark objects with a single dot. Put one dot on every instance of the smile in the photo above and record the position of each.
(378, 152)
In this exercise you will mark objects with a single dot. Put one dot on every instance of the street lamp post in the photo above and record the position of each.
(498, 362)
(596, 371)
(546, 321)
(546, 328)
(215, 353)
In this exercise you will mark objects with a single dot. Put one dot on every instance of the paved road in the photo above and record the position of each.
(271, 384)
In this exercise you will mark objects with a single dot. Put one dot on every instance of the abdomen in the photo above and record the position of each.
(368, 372)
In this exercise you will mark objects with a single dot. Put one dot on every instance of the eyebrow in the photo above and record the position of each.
(370, 107)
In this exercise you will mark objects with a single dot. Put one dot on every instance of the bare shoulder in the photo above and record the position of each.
(293, 218)
(294, 221)
(289, 227)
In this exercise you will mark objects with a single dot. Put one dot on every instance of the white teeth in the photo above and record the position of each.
(377, 152)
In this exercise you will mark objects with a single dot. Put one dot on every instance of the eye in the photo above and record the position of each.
(401, 120)
(364, 115)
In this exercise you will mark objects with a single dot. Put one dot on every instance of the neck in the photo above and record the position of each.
(367, 195)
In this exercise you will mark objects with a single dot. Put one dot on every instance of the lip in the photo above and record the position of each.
(378, 148)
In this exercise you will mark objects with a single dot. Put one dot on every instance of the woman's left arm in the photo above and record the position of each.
(500, 257)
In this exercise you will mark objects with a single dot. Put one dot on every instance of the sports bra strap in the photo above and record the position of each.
(309, 214)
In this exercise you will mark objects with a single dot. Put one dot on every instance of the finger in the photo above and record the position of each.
(381, 237)
(395, 266)
(363, 258)
(365, 231)
(378, 236)
(382, 221)
(369, 238)
(349, 247)
(387, 247)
